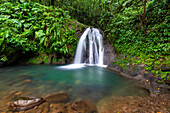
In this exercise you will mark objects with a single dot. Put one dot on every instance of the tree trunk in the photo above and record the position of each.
(144, 7)
(142, 21)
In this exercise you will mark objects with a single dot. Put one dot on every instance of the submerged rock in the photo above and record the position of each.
(83, 106)
(57, 97)
(24, 103)
(61, 110)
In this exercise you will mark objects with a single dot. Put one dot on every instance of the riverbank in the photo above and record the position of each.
(157, 102)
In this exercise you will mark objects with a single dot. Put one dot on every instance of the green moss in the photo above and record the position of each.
(41, 59)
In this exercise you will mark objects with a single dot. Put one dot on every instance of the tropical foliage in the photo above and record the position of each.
(31, 27)
(140, 28)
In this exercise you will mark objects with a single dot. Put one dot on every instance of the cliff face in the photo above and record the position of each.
(109, 52)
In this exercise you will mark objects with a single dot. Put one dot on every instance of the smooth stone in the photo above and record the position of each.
(22, 112)
(46, 110)
(38, 111)
(44, 107)
(18, 93)
(83, 106)
(30, 111)
(70, 110)
(27, 81)
(53, 106)
(25, 103)
(53, 110)
(56, 98)
(61, 110)
(25, 76)
(9, 97)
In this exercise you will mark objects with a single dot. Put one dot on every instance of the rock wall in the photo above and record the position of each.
(109, 53)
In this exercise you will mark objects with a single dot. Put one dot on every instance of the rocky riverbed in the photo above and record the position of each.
(59, 103)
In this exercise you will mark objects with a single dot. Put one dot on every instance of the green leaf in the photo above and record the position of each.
(3, 58)
(1, 40)
(42, 39)
(39, 34)
(6, 34)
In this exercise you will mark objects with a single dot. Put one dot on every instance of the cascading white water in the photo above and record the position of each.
(94, 51)
(89, 50)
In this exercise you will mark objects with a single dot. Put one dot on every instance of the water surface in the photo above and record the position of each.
(91, 83)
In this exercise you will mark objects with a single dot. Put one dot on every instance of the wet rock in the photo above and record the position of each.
(56, 98)
(23, 77)
(44, 107)
(8, 97)
(38, 111)
(30, 111)
(20, 78)
(10, 83)
(45, 110)
(12, 112)
(24, 103)
(132, 70)
(84, 106)
(61, 110)
(35, 107)
(53, 111)
(53, 106)
(70, 110)
(18, 93)
(27, 81)
(109, 53)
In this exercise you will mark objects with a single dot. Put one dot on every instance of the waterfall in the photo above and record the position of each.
(90, 48)
(89, 51)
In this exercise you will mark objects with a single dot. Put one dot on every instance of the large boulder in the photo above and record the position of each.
(57, 98)
(25, 103)
(83, 106)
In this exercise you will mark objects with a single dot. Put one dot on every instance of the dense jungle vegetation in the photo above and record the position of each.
(138, 29)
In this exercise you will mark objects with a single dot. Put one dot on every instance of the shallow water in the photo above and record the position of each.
(90, 83)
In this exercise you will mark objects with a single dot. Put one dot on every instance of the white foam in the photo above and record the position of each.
(104, 66)
(72, 66)
(78, 66)
(93, 38)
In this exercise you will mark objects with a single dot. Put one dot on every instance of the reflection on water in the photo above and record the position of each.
(91, 83)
